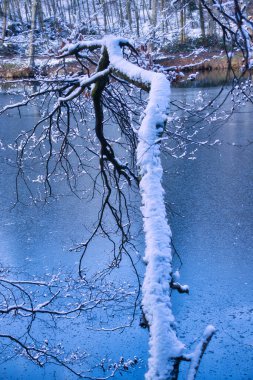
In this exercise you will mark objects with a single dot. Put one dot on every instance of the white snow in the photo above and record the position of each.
(117, 62)
(164, 344)
(209, 330)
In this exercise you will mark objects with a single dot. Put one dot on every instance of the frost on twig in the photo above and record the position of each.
(58, 301)
(199, 351)
(180, 288)
(175, 284)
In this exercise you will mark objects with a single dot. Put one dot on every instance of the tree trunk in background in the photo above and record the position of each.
(164, 22)
(54, 8)
(137, 17)
(17, 4)
(105, 15)
(202, 20)
(146, 9)
(27, 13)
(154, 12)
(182, 24)
(128, 13)
(49, 9)
(212, 30)
(4, 10)
(121, 14)
(95, 12)
(70, 11)
(249, 8)
(110, 15)
(89, 14)
(32, 35)
(40, 14)
(60, 10)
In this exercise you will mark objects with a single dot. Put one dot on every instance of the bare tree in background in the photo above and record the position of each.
(236, 26)
(4, 24)
(31, 52)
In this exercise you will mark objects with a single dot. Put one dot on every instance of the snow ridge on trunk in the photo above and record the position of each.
(164, 344)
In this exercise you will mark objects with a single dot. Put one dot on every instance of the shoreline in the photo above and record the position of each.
(199, 60)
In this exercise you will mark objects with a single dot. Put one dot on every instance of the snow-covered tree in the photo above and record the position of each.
(111, 83)
(55, 141)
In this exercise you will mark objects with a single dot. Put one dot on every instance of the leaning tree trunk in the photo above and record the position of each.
(165, 349)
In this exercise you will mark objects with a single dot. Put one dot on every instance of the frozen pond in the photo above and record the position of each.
(212, 198)
(36, 239)
(212, 230)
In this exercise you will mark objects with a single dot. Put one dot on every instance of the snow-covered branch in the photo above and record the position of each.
(164, 344)
(165, 347)
(199, 351)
